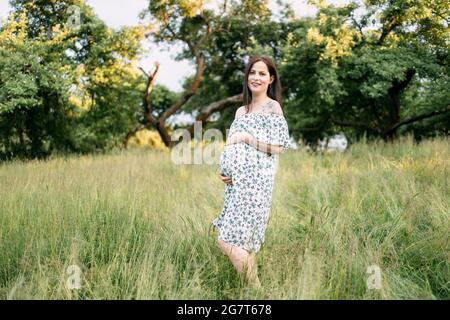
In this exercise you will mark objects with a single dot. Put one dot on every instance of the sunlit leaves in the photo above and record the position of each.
(358, 68)
(62, 85)
(15, 30)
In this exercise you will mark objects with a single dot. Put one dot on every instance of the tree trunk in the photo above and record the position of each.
(389, 130)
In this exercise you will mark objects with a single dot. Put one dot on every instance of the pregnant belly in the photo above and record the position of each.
(234, 158)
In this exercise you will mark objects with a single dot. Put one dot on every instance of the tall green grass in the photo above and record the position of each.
(139, 227)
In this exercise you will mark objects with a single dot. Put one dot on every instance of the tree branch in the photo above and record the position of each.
(422, 116)
(388, 29)
(198, 76)
(145, 73)
(359, 28)
(394, 96)
(213, 107)
(148, 90)
(196, 51)
(130, 134)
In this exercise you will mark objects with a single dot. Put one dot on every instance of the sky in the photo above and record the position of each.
(119, 13)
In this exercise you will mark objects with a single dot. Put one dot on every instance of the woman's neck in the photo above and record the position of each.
(258, 102)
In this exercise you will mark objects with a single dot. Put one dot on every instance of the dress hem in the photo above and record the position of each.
(235, 245)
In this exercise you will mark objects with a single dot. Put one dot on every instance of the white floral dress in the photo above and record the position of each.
(247, 201)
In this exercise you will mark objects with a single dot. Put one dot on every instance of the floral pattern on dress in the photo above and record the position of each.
(247, 201)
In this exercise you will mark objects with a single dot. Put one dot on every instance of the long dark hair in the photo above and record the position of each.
(274, 90)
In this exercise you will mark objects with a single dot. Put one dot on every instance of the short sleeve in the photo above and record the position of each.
(278, 132)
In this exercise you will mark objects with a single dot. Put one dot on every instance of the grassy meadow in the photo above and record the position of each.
(139, 226)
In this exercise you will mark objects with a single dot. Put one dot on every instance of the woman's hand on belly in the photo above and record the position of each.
(240, 137)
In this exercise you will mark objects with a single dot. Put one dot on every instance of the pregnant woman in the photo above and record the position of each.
(247, 165)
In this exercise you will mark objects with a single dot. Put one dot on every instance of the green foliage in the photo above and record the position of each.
(353, 75)
(363, 75)
(33, 97)
(162, 98)
(339, 72)
(245, 28)
(66, 89)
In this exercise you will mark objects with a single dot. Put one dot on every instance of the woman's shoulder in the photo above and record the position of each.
(239, 112)
(274, 107)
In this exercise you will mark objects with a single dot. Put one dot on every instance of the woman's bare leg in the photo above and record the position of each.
(237, 255)
(243, 261)
(225, 247)
(252, 270)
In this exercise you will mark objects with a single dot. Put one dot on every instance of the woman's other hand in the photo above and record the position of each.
(225, 179)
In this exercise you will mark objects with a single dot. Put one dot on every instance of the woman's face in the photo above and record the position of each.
(259, 77)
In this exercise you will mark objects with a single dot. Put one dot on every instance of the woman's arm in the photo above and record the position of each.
(251, 140)
(261, 146)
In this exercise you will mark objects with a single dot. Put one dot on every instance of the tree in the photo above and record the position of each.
(355, 74)
(219, 42)
(93, 79)
(34, 93)
(176, 20)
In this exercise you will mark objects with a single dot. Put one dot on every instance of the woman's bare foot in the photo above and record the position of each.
(254, 283)
(251, 277)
